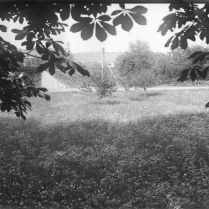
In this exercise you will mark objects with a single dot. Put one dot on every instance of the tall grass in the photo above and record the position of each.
(77, 151)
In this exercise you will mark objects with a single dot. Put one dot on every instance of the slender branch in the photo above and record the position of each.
(33, 55)
(29, 51)
(41, 44)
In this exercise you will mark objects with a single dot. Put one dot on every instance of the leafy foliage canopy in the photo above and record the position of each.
(190, 20)
(37, 34)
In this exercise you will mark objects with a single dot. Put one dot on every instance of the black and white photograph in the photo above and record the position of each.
(104, 104)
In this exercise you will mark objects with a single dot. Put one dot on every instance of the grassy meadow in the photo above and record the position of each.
(126, 150)
(128, 106)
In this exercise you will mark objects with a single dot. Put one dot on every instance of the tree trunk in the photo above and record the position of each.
(145, 93)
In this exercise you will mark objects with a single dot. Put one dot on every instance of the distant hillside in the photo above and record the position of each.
(74, 81)
(87, 56)
(96, 56)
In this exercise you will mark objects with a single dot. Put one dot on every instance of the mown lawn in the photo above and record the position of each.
(80, 152)
(127, 106)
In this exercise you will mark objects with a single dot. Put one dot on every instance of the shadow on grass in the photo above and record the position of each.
(79, 131)
(153, 94)
(93, 150)
(107, 102)
(141, 97)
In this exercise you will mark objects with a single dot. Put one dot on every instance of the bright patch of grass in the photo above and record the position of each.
(123, 106)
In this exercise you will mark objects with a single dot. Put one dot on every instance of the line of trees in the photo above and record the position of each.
(140, 67)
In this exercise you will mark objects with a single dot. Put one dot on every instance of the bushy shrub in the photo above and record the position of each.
(105, 88)
(105, 84)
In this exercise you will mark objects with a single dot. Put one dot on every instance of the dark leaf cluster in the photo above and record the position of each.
(190, 19)
(71, 67)
(196, 72)
(14, 91)
(126, 16)
(100, 22)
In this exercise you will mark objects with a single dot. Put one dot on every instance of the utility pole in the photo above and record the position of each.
(113, 75)
(103, 51)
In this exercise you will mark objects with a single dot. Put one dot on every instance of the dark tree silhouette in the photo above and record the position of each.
(191, 21)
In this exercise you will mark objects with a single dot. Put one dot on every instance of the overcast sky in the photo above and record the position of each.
(118, 43)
